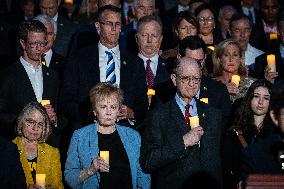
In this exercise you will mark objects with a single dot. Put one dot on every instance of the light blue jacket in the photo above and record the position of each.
(84, 148)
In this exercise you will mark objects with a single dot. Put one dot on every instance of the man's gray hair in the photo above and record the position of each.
(46, 19)
(186, 60)
(136, 3)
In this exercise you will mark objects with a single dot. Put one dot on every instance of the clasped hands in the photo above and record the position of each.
(193, 136)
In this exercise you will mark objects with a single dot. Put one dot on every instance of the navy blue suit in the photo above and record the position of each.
(82, 73)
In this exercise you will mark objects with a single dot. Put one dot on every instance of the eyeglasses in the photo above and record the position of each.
(36, 44)
(32, 123)
(187, 79)
(209, 20)
(112, 24)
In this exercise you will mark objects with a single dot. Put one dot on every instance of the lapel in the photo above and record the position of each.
(123, 71)
(161, 74)
(47, 83)
(178, 118)
(93, 64)
(202, 114)
(93, 138)
(203, 88)
(24, 82)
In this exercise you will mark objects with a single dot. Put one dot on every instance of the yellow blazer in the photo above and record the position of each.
(48, 162)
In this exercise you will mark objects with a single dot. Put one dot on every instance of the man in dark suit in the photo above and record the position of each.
(65, 28)
(172, 149)
(27, 80)
(104, 62)
(149, 38)
(215, 92)
(127, 37)
(50, 58)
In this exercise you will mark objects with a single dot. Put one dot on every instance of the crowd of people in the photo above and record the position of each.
(133, 94)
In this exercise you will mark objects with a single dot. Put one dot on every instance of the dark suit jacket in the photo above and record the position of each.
(16, 91)
(163, 151)
(65, 30)
(82, 73)
(57, 63)
(11, 172)
(262, 156)
(261, 63)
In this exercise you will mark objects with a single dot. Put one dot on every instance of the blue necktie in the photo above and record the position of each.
(110, 68)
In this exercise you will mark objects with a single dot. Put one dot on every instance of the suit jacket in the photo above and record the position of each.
(81, 154)
(261, 63)
(16, 91)
(48, 162)
(11, 172)
(163, 151)
(57, 63)
(65, 30)
(82, 73)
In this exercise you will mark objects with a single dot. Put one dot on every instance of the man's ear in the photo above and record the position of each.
(178, 56)
(230, 32)
(273, 117)
(22, 44)
(174, 79)
(98, 28)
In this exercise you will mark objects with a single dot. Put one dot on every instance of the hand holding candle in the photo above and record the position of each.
(236, 80)
(40, 180)
(271, 62)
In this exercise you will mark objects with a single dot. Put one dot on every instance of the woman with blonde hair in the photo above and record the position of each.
(228, 60)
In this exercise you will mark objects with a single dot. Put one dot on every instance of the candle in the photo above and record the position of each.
(211, 47)
(271, 62)
(69, 2)
(194, 121)
(45, 102)
(105, 156)
(205, 100)
(273, 36)
(151, 92)
(236, 79)
(40, 180)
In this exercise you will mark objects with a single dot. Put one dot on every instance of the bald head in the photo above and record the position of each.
(185, 62)
(115, 3)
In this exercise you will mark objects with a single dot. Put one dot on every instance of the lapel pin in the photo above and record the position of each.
(203, 114)
(163, 64)
(56, 62)
(205, 88)
(47, 73)
(124, 62)
(61, 24)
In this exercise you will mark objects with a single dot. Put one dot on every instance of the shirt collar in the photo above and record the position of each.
(114, 50)
(181, 102)
(27, 64)
(55, 17)
(182, 8)
(154, 58)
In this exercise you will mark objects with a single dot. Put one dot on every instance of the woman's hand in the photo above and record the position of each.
(232, 88)
(34, 186)
(99, 164)
(270, 76)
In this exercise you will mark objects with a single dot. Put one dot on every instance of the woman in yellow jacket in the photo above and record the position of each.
(37, 157)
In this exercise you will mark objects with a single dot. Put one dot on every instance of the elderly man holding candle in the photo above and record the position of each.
(183, 153)
(105, 154)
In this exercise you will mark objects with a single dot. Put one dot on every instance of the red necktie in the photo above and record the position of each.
(187, 114)
(149, 75)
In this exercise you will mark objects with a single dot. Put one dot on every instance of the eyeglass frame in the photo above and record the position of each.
(32, 123)
(186, 79)
(36, 44)
(111, 24)
(209, 19)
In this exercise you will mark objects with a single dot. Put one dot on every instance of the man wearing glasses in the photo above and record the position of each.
(104, 62)
(180, 155)
(27, 80)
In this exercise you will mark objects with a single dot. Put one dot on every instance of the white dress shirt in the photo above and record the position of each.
(103, 58)
(154, 62)
(35, 76)
(47, 57)
(250, 54)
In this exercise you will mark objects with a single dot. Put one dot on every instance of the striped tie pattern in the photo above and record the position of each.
(110, 68)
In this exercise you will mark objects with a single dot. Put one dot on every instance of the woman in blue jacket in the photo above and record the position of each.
(84, 166)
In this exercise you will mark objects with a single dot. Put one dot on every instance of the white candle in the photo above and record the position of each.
(45, 102)
(194, 121)
(271, 62)
(236, 79)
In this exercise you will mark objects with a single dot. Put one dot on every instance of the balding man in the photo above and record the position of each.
(225, 14)
(65, 28)
(180, 155)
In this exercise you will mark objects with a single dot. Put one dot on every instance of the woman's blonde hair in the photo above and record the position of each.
(28, 109)
(218, 53)
(105, 90)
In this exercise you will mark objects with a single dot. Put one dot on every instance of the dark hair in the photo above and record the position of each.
(192, 43)
(203, 7)
(244, 119)
(149, 18)
(186, 16)
(261, 1)
(102, 9)
(237, 17)
(277, 103)
(30, 26)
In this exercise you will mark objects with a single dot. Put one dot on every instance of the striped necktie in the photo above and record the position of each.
(110, 68)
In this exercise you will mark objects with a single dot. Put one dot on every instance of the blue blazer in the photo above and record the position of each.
(84, 148)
